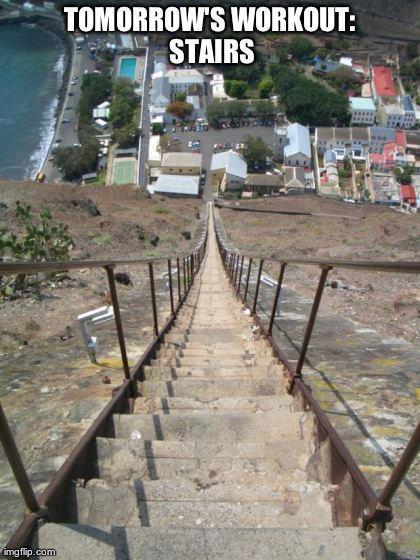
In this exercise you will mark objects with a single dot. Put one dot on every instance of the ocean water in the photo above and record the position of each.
(32, 63)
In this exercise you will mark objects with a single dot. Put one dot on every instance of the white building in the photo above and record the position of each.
(218, 88)
(176, 185)
(155, 157)
(228, 171)
(397, 115)
(352, 142)
(297, 146)
(182, 79)
(363, 111)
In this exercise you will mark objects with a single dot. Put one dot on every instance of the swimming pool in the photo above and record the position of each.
(128, 68)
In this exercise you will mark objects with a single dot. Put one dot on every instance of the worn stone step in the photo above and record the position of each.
(212, 336)
(211, 388)
(118, 461)
(226, 347)
(168, 373)
(99, 504)
(203, 351)
(267, 426)
(173, 405)
(215, 361)
(149, 543)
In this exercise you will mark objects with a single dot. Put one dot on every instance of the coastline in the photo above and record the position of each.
(57, 107)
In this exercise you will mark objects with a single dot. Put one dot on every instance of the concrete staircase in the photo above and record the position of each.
(213, 462)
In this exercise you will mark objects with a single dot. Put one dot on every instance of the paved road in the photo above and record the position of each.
(145, 124)
(67, 132)
(215, 136)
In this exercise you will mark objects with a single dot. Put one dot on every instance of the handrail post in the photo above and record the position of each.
(171, 293)
(235, 262)
(238, 290)
(178, 273)
(153, 294)
(236, 271)
(16, 464)
(382, 510)
(257, 288)
(311, 321)
(276, 299)
(118, 322)
(247, 280)
(184, 277)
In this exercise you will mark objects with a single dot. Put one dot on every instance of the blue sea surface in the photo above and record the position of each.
(32, 62)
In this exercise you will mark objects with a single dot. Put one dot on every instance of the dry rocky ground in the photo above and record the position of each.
(388, 302)
(105, 223)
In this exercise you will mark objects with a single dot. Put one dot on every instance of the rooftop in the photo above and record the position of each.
(297, 141)
(181, 159)
(177, 184)
(383, 81)
(362, 104)
(231, 162)
(263, 180)
(295, 173)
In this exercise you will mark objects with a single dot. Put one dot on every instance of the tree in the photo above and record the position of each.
(255, 152)
(95, 88)
(181, 96)
(412, 50)
(180, 109)
(264, 108)
(157, 128)
(73, 162)
(265, 87)
(404, 174)
(307, 101)
(215, 112)
(236, 88)
(235, 109)
(282, 54)
(41, 240)
(301, 48)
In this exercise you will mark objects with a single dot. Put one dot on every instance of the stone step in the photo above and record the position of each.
(174, 405)
(210, 336)
(169, 373)
(232, 427)
(206, 335)
(214, 362)
(214, 352)
(118, 461)
(226, 347)
(129, 506)
(148, 543)
(211, 388)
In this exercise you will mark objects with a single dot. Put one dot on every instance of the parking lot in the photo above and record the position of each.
(208, 139)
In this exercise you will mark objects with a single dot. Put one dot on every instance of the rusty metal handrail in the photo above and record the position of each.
(40, 508)
(378, 509)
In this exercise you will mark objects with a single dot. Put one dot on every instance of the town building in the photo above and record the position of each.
(228, 171)
(217, 84)
(393, 154)
(293, 145)
(181, 80)
(363, 111)
(160, 95)
(294, 180)
(176, 185)
(155, 156)
(352, 142)
(383, 88)
(263, 184)
(400, 114)
(181, 163)
(379, 136)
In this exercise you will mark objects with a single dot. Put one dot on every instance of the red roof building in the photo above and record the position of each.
(408, 194)
(383, 82)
